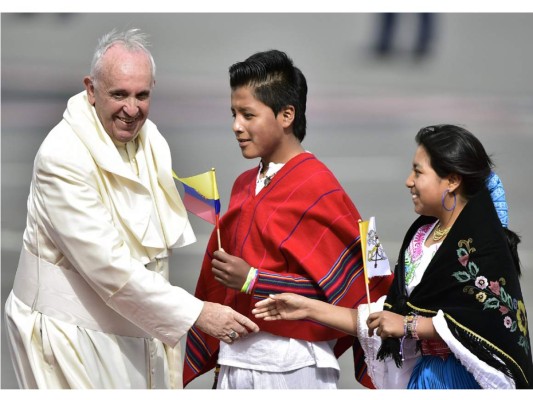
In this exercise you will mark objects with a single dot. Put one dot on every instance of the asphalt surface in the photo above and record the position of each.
(363, 111)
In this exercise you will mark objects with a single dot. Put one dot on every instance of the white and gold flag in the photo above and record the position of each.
(376, 262)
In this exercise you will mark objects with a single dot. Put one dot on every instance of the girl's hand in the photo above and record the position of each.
(287, 306)
(386, 324)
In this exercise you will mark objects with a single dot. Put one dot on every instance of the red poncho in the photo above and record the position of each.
(301, 232)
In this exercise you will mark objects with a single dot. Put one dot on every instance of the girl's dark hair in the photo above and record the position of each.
(276, 82)
(454, 150)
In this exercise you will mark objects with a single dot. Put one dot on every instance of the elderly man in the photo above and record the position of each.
(91, 305)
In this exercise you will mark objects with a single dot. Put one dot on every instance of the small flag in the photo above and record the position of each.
(375, 260)
(201, 195)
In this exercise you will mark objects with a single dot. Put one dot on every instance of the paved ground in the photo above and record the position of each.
(363, 112)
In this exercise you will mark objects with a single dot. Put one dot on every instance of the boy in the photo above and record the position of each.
(290, 226)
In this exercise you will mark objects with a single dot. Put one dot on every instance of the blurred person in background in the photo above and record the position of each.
(389, 33)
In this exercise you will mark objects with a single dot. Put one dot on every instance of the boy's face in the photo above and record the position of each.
(259, 132)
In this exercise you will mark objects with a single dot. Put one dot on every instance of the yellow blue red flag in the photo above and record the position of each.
(201, 195)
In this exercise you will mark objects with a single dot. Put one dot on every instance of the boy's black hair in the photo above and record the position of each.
(276, 82)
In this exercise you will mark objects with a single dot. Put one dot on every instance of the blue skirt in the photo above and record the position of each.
(432, 372)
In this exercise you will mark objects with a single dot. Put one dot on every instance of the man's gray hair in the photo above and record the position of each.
(132, 39)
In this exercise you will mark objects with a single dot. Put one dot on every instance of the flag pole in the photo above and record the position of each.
(363, 232)
(218, 232)
(215, 190)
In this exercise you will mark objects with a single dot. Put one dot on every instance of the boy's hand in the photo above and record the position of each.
(229, 270)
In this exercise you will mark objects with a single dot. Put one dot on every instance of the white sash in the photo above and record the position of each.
(65, 295)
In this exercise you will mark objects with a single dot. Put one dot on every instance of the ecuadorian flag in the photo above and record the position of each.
(201, 195)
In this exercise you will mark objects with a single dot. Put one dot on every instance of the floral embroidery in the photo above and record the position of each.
(522, 317)
(463, 260)
(414, 252)
(492, 294)
(481, 282)
(481, 297)
(504, 310)
(494, 287)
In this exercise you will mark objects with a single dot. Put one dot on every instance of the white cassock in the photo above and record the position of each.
(91, 305)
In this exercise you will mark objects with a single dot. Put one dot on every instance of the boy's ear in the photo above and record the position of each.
(287, 116)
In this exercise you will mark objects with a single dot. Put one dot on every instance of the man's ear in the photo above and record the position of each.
(89, 86)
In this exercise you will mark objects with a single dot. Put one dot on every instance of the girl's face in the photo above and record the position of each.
(425, 185)
(259, 132)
